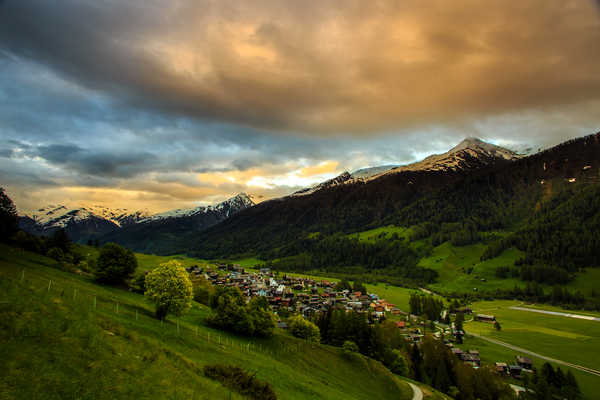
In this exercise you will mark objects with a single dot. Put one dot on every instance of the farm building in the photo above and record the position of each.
(485, 318)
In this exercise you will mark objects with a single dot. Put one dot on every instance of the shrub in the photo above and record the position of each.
(56, 254)
(301, 328)
(349, 347)
(169, 287)
(115, 264)
(239, 380)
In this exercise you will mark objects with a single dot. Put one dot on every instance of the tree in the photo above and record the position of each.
(304, 329)
(61, 240)
(115, 264)
(459, 320)
(8, 217)
(399, 365)
(56, 253)
(230, 312)
(169, 287)
(359, 287)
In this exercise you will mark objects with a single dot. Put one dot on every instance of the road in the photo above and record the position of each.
(561, 314)
(531, 353)
(417, 392)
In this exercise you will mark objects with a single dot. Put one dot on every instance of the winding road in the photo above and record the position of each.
(417, 392)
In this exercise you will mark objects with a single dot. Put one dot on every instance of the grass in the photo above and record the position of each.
(491, 353)
(384, 232)
(567, 339)
(56, 344)
(460, 268)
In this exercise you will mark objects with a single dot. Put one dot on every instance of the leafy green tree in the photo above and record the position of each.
(399, 365)
(115, 264)
(8, 217)
(459, 320)
(261, 316)
(203, 290)
(230, 312)
(302, 328)
(169, 287)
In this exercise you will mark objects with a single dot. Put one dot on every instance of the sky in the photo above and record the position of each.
(156, 105)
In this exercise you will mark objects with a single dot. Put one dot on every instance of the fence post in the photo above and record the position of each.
(49, 284)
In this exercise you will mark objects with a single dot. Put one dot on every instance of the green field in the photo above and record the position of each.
(461, 270)
(384, 232)
(571, 340)
(57, 343)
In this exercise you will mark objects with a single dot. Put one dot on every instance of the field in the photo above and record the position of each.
(64, 336)
(567, 339)
(384, 232)
(461, 270)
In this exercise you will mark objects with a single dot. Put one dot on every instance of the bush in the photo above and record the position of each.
(115, 264)
(301, 328)
(239, 380)
(56, 254)
(349, 347)
(169, 287)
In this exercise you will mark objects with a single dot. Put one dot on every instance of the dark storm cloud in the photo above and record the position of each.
(121, 165)
(332, 66)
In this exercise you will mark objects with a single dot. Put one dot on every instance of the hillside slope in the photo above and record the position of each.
(101, 342)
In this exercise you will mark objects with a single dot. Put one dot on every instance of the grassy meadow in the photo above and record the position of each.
(572, 340)
(64, 336)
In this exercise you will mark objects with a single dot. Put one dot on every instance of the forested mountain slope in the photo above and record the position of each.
(488, 194)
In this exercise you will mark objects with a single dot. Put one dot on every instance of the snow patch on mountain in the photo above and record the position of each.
(59, 216)
(227, 207)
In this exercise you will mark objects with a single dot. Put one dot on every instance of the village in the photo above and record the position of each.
(309, 297)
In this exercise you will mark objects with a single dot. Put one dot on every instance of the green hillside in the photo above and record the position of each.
(63, 336)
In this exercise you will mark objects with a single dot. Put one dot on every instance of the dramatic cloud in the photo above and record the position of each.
(327, 66)
(169, 104)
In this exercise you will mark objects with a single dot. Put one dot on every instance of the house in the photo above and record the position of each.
(485, 318)
(502, 368)
(282, 325)
(515, 371)
(524, 362)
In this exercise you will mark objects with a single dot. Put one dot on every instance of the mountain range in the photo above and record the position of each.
(473, 183)
(105, 224)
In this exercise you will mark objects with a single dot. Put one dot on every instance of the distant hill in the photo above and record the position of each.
(160, 232)
(133, 228)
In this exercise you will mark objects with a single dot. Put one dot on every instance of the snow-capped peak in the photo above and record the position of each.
(59, 216)
(228, 207)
